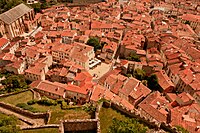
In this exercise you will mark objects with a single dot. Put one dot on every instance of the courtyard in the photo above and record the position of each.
(100, 70)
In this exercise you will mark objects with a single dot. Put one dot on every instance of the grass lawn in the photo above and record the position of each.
(58, 114)
(18, 98)
(106, 116)
(2, 115)
(44, 130)
(42, 108)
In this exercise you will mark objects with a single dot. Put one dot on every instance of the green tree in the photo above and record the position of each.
(36, 7)
(145, 82)
(187, 22)
(95, 43)
(152, 82)
(127, 126)
(139, 74)
(128, 75)
(44, 5)
(181, 129)
(8, 124)
(14, 82)
(133, 57)
(5, 5)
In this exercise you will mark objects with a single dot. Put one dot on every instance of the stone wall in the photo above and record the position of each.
(97, 117)
(12, 93)
(41, 127)
(136, 114)
(25, 112)
(80, 125)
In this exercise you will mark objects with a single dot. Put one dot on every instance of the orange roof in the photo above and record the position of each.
(38, 69)
(77, 89)
(164, 81)
(156, 114)
(3, 41)
(48, 86)
(185, 97)
(69, 33)
(82, 76)
(104, 77)
(126, 104)
(129, 86)
(191, 17)
(57, 88)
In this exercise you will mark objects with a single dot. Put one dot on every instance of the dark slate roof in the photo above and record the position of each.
(13, 14)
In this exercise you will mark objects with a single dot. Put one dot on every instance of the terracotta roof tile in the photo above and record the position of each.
(3, 41)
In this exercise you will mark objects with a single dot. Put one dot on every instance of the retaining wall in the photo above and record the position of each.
(12, 93)
(97, 117)
(25, 112)
(80, 125)
(40, 127)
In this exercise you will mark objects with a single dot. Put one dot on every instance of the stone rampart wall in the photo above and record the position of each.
(25, 112)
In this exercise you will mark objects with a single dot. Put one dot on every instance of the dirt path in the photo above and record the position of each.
(30, 121)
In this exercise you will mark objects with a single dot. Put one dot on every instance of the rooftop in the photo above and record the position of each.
(14, 13)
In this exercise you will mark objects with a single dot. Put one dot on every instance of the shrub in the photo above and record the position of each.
(21, 105)
(47, 102)
(102, 100)
(8, 124)
(181, 129)
(127, 126)
(31, 102)
(59, 101)
(89, 108)
(27, 107)
(64, 105)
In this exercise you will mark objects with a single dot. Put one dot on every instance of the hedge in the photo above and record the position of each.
(27, 107)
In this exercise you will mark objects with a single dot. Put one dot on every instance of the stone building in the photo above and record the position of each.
(17, 21)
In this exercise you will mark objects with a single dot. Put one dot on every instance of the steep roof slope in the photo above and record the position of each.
(13, 14)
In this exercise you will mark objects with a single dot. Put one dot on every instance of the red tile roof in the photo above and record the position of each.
(191, 17)
(3, 41)
(129, 86)
(97, 93)
(69, 33)
(57, 88)
(164, 81)
(104, 77)
(83, 76)
(50, 87)
(149, 109)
